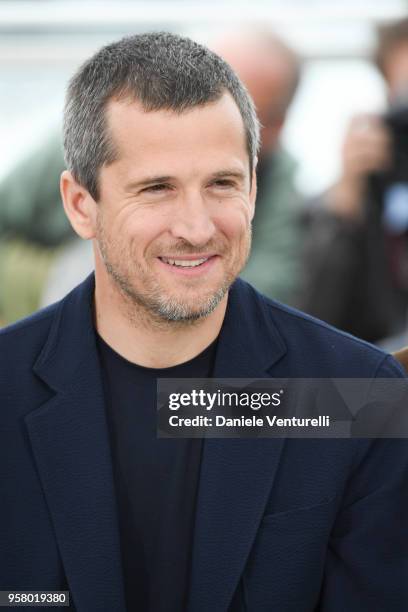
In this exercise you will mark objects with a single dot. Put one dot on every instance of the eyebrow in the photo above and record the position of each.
(228, 172)
(148, 181)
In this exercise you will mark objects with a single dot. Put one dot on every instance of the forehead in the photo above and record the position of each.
(214, 129)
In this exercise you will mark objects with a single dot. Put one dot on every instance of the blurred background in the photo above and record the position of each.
(43, 41)
(326, 265)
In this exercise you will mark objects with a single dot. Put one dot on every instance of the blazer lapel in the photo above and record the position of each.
(70, 443)
(236, 474)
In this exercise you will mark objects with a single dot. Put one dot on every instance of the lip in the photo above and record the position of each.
(196, 271)
(189, 257)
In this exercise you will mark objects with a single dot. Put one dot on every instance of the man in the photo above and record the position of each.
(40, 262)
(161, 140)
(356, 242)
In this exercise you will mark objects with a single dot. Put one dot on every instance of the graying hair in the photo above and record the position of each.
(160, 70)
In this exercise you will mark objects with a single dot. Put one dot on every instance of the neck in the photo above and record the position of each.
(146, 340)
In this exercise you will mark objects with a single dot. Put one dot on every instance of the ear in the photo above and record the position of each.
(252, 193)
(79, 206)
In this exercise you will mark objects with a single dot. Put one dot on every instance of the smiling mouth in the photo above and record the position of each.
(184, 263)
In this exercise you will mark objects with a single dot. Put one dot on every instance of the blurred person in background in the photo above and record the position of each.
(271, 72)
(41, 259)
(33, 227)
(356, 245)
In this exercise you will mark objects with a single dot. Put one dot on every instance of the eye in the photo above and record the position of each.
(223, 183)
(159, 187)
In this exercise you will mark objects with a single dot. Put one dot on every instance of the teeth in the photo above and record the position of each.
(184, 263)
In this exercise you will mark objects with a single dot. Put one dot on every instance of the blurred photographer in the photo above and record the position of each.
(356, 250)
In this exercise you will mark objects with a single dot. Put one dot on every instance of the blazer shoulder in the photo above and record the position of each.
(316, 326)
(21, 345)
(21, 342)
(31, 323)
(320, 350)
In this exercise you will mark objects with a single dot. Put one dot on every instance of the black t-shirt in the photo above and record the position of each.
(156, 482)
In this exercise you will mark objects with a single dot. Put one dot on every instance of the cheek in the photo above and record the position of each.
(235, 221)
(140, 229)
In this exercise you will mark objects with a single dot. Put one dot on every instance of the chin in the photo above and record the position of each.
(177, 309)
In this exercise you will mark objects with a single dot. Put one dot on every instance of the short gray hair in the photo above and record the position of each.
(161, 71)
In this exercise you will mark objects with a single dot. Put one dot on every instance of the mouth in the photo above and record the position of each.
(184, 263)
(188, 264)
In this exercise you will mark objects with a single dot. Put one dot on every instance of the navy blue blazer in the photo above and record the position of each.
(281, 525)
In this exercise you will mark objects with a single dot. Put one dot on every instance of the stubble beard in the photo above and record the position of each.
(153, 303)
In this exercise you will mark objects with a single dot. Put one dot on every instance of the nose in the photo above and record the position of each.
(192, 220)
